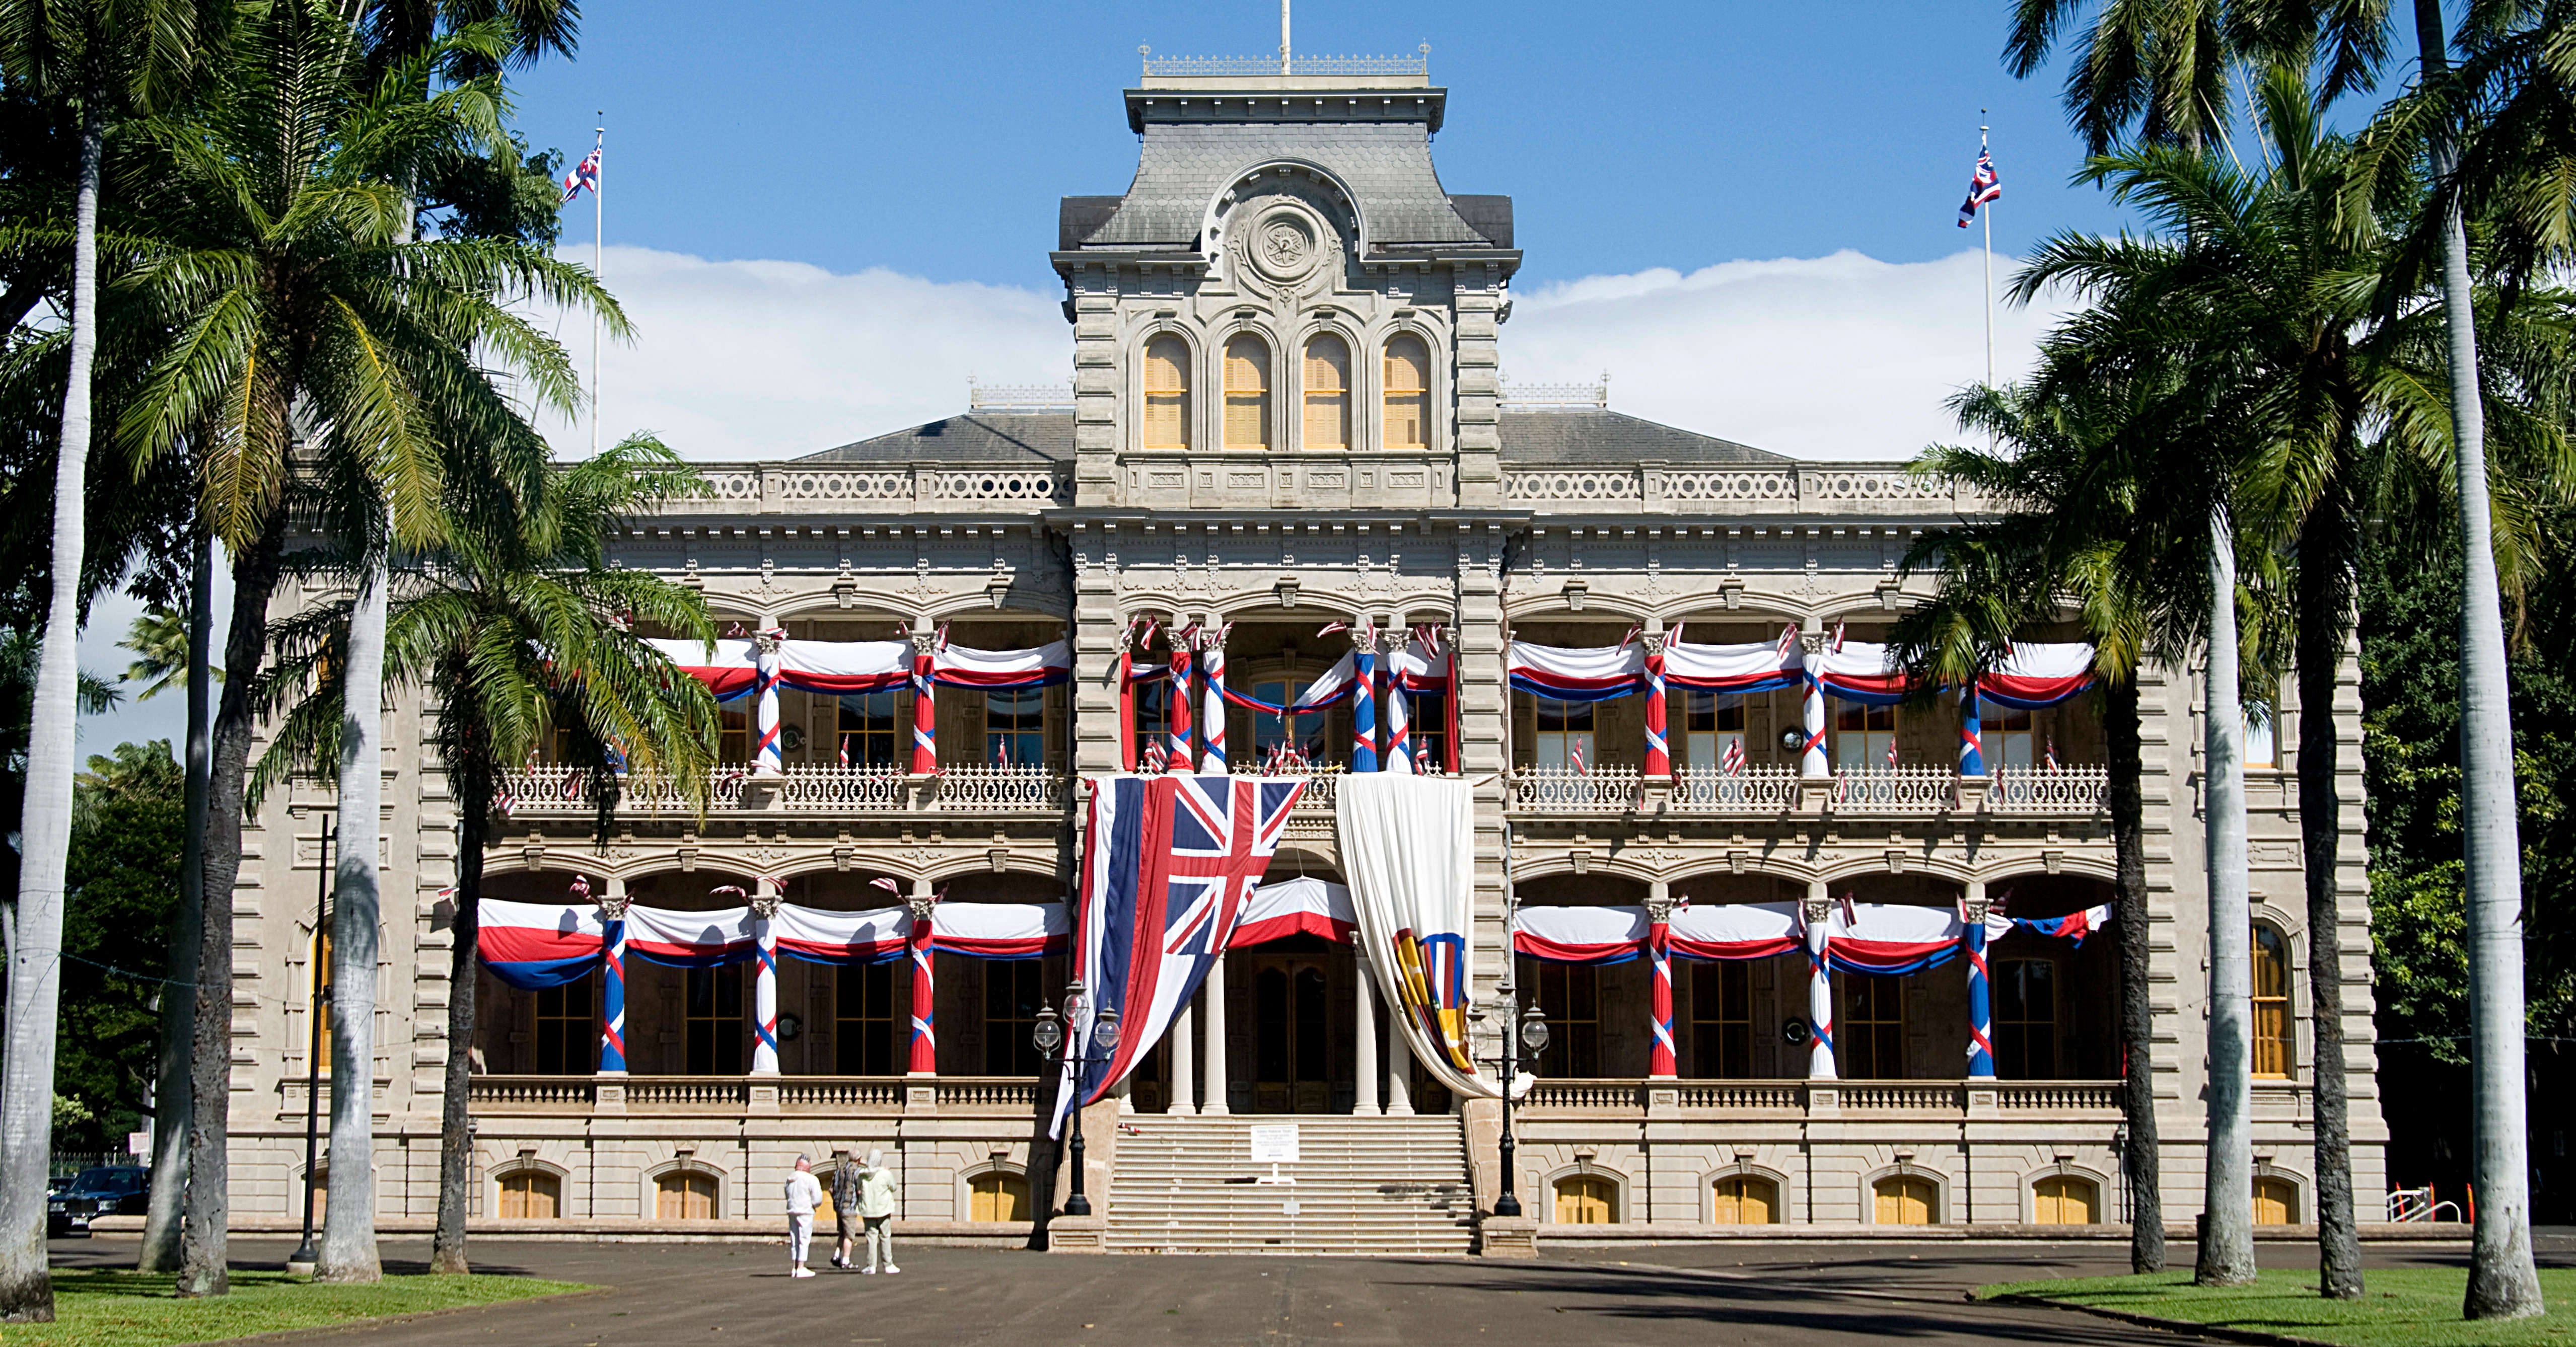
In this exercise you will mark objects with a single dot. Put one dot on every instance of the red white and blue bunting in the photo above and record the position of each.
(2032, 674)
(536, 945)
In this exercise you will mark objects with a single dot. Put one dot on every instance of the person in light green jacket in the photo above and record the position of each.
(876, 1213)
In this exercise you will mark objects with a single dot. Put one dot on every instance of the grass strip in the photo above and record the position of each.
(2404, 1307)
(105, 1308)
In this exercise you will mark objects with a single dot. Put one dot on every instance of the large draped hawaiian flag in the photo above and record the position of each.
(1168, 866)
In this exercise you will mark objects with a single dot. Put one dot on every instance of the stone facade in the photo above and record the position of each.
(1340, 445)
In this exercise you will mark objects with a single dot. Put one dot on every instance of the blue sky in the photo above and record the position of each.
(934, 140)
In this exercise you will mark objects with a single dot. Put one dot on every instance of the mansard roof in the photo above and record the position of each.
(1584, 435)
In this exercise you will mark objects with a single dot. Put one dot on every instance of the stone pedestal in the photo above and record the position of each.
(1507, 1237)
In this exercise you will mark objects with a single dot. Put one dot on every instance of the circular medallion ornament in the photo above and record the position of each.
(1282, 246)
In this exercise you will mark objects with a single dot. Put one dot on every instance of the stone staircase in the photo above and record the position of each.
(1363, 1185)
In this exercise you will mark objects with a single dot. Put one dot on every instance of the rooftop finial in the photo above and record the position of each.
(1283, 37)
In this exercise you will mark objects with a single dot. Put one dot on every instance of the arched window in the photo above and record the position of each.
(999, 1195)
(1744, 1199)
(1328, 393)
(1586, 1199)
(567, 1032)
(1247, 392)
(318, 1000)
(1905, 1199)
(1408, 393)
(1167, 393)
(2063, 1199)
(2276, 1201)
(684, 1195)
(2271, 1004)
(530, 1195)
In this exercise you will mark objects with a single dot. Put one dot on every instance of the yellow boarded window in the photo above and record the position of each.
(1745, 1200)
(2276, 1202)
(684, 1196)
(1408, 394)
(1167, 393)
(2271, 1004)
(1328, 393)
(530, 1195)
(1586, 1199)
(1247, 393)
(999, 1195)
(1903, 1199)
(2063, 1199)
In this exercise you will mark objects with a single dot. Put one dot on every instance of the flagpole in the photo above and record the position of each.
(598, 262)
(1988, 214)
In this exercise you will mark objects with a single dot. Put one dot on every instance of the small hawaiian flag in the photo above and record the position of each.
(1733, 759)
(845, 750)
(1983, 188)
(1891, 750)
(1155, 758)
(2052, 753)
(1574, 757)
(584, 175)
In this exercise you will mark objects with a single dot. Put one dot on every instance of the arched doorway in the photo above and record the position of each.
(1292, 1038)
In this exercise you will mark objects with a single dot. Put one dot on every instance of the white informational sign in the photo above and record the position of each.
(138, 1143)
(1274, 1144)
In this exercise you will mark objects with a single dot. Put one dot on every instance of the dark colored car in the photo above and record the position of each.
(109, 1190)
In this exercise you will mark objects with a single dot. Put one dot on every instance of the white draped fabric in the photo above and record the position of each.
(1408, 850)
(1298, 906)
(1735, 930)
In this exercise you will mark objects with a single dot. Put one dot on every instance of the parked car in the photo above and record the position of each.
(108, 1190)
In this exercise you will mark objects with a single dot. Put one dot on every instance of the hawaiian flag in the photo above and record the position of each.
(1168, 864)
(1574, 757)
(582, 175)
(1983, 187)
(1733, 759)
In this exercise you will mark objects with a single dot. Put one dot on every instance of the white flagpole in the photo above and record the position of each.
(599, 252)
(1987, 213)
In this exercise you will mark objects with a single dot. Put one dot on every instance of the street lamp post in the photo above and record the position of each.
(305, 1255)
(1525, 1032)
(1052, 1047)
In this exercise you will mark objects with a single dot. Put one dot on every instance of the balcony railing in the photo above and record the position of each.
(1755, 790)
(1562, 790)
(1792, 1097)
(1776, 789)
(2048, 790)
(552, 789)
(545, 1095)
(1903, 788)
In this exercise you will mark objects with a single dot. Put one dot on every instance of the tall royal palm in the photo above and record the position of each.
(106, 60)
(349, 373)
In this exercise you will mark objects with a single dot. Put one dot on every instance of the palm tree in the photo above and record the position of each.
(349, 375)
(520, 634)
(160, 641)
(106, 60)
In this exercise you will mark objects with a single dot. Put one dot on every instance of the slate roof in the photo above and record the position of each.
(1571, 436)
(1184, 165)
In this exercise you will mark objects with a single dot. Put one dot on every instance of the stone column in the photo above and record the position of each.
(1399, 1069)
(767, 757)
(1818, 911)
(1363, 696)
(1185, 1084)
(1812, 760)
(1364, 1080)
(1212, 715)
(764, 987)
(612, 998)
(1399, 729)
(1213, 990)
(1659, 752)
(1981, 1019)
(1661, 1061)
(924, 1060)
(925, 707)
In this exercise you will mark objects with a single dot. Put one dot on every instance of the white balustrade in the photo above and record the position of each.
(1901, 789)
(2040, 789)
(1755, 790)
(1561, 790)
(1000, 788)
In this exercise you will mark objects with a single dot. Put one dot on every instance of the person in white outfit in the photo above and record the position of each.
(876, 1212)
(803, 1195)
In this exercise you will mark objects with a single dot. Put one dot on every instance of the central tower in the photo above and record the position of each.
(1286, 310)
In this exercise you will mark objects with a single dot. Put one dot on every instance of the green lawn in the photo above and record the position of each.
(2406, 1307)
(123, 1309)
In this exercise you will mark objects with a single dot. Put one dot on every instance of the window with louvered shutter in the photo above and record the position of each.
(1247, 392)
(1167, 393)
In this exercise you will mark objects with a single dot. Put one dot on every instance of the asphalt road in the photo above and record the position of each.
(1785, 1293)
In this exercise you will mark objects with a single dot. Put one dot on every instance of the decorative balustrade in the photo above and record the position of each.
(2047, 790)
(900, 490)
(987, 1091)
(1905, 788)
(1562, 790)
(552, 789)
(687, 1092)
(1875, 1097)
(1002, 788)
(1243, 67)
(1614, 1094)
(829, 1092)
(833, 788)
(804, 1094)
(510, 1093)
(2025, 1099)
(1755, 790)
(1742, 1096)
(2057, 1096)
(1659, 490)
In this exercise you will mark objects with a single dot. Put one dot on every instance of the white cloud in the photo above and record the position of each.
(1831, 357)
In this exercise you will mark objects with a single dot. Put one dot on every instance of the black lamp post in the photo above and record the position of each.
(1052, 1047)
(1522, 1033)
(305, 1255)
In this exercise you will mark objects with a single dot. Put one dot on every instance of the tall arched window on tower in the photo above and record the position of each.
(2272, 1031)
(1408, 393)
(1167, 393)
(1247, 392)
(1328, 393)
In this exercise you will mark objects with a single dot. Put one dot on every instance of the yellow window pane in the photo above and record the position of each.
(1328, 398)
(2272, 1026)
(684, 1197)
(1000, 1197)
(2275, 1202)
(530, 1195)
(1408, 393)
(1167, 393)
(1742, 1200)
(1247, 393)
(1584, 1200)
(2063, 1199)
(1902, 1199)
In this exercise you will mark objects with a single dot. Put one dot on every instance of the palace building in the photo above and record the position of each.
(1726, 865)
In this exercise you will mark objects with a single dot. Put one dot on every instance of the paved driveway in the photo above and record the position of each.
(1788, 1293)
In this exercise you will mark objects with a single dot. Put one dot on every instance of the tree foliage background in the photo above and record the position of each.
(127, 825)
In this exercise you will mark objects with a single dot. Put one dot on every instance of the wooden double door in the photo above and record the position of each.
(1292, 1048)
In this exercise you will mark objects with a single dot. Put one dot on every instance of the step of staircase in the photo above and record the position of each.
(1361, 1185)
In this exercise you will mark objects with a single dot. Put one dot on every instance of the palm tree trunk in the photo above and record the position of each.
(2140, 1162)
(2503, 1283)
(45, 826)
(2227, 1200)
(455, 1134)
(2323, 602)
(203, 1243)
(173, 1096)
(348, 1252)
